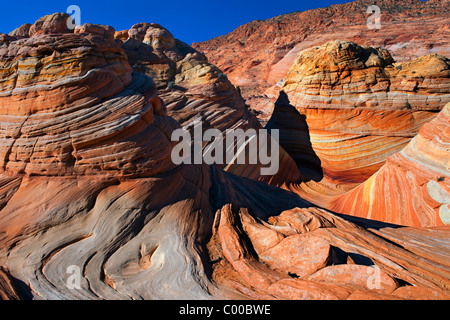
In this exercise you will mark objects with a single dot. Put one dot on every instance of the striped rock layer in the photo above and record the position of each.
(64, 99)
(190, 86)
(360, 107)
(91, 207)
(195, 92)
(413, 187)
(345, 109)
(258, 55)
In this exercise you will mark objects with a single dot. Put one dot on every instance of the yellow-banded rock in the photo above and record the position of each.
(413, 187)
(92, 207)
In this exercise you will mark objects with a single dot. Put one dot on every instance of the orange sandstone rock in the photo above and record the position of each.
(412, 188)
(348, 109)
(195, 91)
(92, 207)
(357, 107)
(366, 277)
(298, 255)
(258, 55)
(52, 23)
(419, 293)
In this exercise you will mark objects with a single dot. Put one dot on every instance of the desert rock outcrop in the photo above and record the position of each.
(92, 207)
(360, 107)
(258, 55)
(416, 180)
(196, 92)
(345, 109)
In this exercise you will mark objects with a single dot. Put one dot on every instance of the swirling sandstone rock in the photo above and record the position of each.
(65, 83)
(258, 55)
(241, 265)
(196, 92)
(360, 108)
(413, 187)
(348, 108)
(189, 85)
(91, 207)
(345, 75)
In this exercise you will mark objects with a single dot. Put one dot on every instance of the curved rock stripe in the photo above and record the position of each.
(91, 207)
(412, 188)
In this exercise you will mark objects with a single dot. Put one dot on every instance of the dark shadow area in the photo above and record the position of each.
(139, 52)
(368, 223)
(265, 200)
(261, 199)
(295, 138)
(337, 256)
(23, 290)
(360, 259)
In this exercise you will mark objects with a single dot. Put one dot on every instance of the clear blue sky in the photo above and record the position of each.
(188, 20)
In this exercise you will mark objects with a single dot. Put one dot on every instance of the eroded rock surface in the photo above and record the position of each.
(195, 92)
(258, 55)
(360, 107)
(92, 207)
(346, 112)
(416, 180)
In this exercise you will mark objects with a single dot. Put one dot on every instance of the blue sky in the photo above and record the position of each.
(188, 20)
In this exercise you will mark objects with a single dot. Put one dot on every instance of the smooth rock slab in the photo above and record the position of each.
(420, 293)
(262, 237)
(367, 277)
(299, 255)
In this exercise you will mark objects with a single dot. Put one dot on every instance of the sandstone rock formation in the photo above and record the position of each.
(53, 23)
(195, 91)
(360, 107)
(191, 87)
(8, 290)
(22, 31)
(338, 260)
(257, 56)
(344, 109)
(92, 207)
(416, 180)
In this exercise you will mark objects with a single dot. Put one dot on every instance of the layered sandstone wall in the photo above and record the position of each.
(257, 56)
(88, 192)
